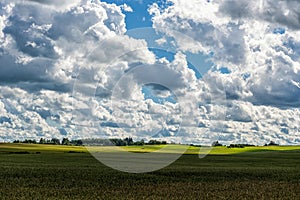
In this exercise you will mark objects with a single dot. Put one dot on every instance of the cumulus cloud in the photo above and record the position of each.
(197, 28)
(263, 62)
(284, 13)
(45, 50)
(126, 8)
(68, 70)
(59, 70)
(258, 42)
(46, 44)
(61, 4)
(132, 114)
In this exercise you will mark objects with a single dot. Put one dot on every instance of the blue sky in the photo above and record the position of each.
(140, 17)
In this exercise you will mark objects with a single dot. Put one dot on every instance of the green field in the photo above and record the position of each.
(63, 172)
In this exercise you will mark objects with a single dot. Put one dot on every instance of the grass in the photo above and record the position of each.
(62, 172)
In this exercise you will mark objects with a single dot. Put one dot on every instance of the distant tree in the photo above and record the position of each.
(140, 143)
(25, 141)
(236, 146)
(55, 141)
(118, 142)
(42, 141)
(65, 141)
(79, 143)
(16, 141)
(216, 144)
(249, 145)
(272, 143)
(128, 141)
(29, 141)
(152, 142)
(76, 142)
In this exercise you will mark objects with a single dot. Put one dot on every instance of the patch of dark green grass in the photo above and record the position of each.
(19, 152)
(76, 152)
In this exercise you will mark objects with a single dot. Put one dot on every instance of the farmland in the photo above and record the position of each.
(67, 172)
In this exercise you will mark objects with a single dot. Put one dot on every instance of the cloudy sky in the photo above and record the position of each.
(185, 71)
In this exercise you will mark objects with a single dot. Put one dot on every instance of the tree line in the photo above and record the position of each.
(92, 142)
(217, 144)
(54, 141)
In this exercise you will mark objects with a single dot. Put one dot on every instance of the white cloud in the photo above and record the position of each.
(44, 50)
(262, 63)
(258, 43)
(126, 8)
(62, 64)
(161, 41)
(198, 28)
(284, 13)
(57, 4)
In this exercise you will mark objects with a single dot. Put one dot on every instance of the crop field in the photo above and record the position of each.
(30, 171)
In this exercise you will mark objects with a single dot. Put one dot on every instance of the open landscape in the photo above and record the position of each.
(149, 99)
(34, 171)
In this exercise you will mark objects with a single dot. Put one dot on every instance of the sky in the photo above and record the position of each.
(183, 71)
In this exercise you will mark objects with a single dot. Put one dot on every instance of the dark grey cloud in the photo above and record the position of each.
(237, 9)
(35, 71)
(283, 12)
(276, 96)
(56, 3)
(29, 39)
